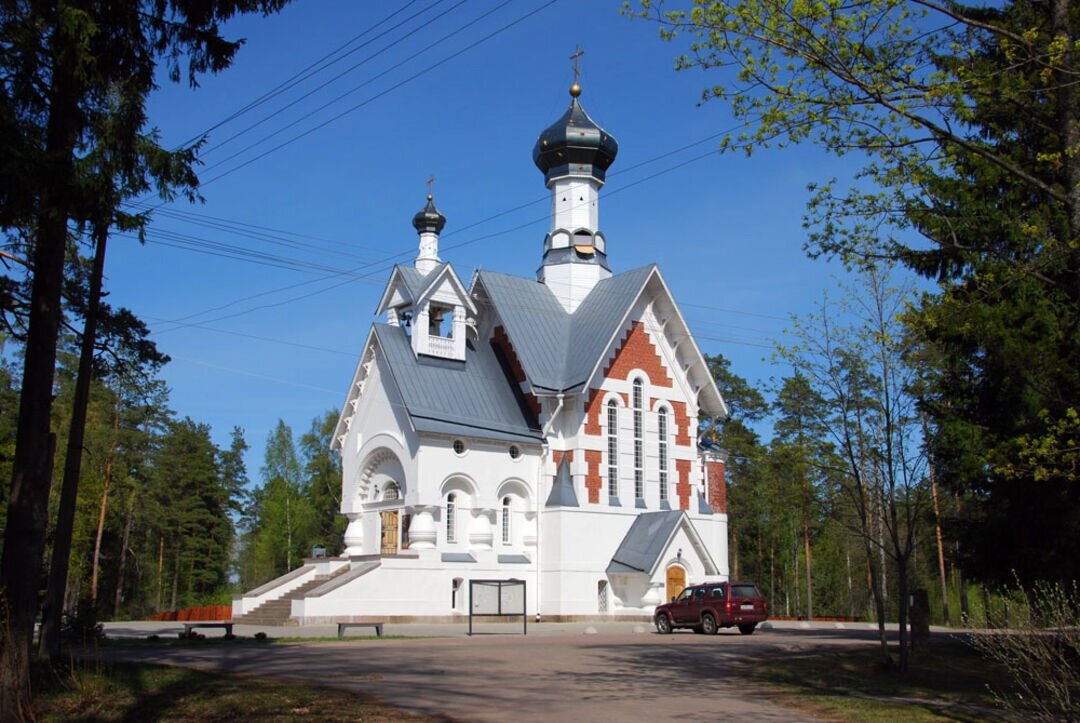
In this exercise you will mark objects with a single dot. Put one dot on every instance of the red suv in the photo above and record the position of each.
(709, 606)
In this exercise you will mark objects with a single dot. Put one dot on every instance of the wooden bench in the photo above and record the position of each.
(341, 627)
(227, 625)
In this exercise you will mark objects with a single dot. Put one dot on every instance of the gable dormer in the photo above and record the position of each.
(428, 300)
(440, 316)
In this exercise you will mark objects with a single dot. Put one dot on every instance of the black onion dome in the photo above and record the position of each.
(429, 219)
(574, 145)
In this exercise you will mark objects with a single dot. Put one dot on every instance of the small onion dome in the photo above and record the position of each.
(574, 145)
(429, 219)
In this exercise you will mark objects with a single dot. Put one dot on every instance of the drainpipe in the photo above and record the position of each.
(544, 449)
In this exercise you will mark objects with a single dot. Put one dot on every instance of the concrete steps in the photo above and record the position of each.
(279, 610)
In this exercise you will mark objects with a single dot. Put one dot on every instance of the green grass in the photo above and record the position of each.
(139, 692)
(948, 681)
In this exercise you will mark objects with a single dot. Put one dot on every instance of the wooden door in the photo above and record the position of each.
(389, 533)
(676, 581)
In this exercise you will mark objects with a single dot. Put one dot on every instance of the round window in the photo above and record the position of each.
(515, 451)
(459, 446)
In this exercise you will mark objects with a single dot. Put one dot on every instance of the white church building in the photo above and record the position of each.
(539, 429)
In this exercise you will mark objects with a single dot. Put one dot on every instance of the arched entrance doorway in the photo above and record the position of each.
(676, 581)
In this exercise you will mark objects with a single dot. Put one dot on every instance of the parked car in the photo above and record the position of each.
(709, 606)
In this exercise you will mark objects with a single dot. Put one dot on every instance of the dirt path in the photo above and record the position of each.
(532, 678)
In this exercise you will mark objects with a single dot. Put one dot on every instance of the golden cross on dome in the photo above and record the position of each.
(430, 184)
(576, 57)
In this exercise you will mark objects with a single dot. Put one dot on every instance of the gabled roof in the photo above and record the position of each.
(450, 397)
(560, 351)
(647, 540)
(557, 349)
(410, 280)
(417, 285)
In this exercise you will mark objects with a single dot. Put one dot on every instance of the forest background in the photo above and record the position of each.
(923, 438)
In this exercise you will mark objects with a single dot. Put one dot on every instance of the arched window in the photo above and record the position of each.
(506, 509)
(613, 448)
(451, 533)
(393, 492)
(639, 439)
(662, 432)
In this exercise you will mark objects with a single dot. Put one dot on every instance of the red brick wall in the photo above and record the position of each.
(716, 484)
(501, 341)
(682, 423)
(592, 412)
(637, 352)
(592, 476)
(682, 487)
(558, 454)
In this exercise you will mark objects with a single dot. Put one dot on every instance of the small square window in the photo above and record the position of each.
(459, 446)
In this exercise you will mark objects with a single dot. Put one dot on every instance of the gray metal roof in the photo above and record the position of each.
(559, 350)
(415, 281)
(454, 397)
(645, 542)
(703, 507)
(562, 491)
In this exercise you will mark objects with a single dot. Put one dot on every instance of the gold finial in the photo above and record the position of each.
(575, 89)
(430, 184)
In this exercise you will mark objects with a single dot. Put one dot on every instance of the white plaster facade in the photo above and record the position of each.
(551, 487)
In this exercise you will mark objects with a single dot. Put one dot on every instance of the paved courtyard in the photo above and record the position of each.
(609, 671)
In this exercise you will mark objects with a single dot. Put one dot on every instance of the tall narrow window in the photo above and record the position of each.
(613, 448)
(639, 441)
(451, 533)
(506, 521)
(662, 424)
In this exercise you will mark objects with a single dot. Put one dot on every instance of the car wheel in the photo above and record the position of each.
(663, 624)
(708, 624)
(747, 629)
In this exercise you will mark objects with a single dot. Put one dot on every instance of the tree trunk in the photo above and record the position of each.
(879, 603)
(96, 564)
(902, 615)
(119, 596)
(160, 571)
(809, 567)
(1069, 130)
(940, 546)
(734, 552)
(28, 507)
(65, 518)
(175, 577)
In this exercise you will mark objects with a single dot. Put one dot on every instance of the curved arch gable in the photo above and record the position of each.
(458, 482)
(379, 467)
(518, 487)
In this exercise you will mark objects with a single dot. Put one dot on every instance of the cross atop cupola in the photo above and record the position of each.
(427, 300)
(429, 223)
(574, 154)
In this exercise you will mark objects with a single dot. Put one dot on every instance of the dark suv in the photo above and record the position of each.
(709, 606)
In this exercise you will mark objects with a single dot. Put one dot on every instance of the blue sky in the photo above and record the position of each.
(334, 207)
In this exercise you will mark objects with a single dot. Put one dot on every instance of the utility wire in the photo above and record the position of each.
(392, 44)
(380, 265)
(380, 94)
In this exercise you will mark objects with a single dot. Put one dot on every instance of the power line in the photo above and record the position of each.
(303, 75)
(392, 44)
(379, 266)
(380, 94)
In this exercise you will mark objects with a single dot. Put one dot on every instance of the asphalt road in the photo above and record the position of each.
(594, 673)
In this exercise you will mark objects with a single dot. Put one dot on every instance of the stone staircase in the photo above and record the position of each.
(279, 611)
